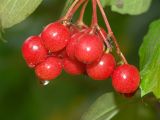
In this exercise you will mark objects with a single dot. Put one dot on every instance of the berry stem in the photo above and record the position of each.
(94, 14)
(110, 33)
(104, 39)
(118, 49)
(104, 16)
(80, 19)
(71, 8)
(75, 5)
(66, 6)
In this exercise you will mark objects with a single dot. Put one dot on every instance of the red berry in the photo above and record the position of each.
(103, 68)
(73, 67)
(33, 51)
(70, 49)
(89, 48)
(126, 78)
(49, 69)
(55, 36)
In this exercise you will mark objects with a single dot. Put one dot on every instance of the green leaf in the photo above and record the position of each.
(137, 110)
(104, 108)
(132, 7)
(150, 61)
(15, 11)
(107, 106)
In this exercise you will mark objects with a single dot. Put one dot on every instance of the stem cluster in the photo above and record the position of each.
(94, 24)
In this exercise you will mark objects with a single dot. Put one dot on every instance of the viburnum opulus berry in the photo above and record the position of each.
(73, 67)
(70, 48)
(103, 68)
(89, 48)
(126, 78)
(49, 69)
(33, 51)
(55, 36)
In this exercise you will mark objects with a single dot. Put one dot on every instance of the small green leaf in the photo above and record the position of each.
(104, 108)
(15, 11)
(150, 61)
(132, 7)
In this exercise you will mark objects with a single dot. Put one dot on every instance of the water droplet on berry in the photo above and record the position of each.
(44, 82)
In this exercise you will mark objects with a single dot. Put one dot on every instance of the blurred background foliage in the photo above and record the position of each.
(67, 97)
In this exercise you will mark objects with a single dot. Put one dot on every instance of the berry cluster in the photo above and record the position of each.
(79, 49)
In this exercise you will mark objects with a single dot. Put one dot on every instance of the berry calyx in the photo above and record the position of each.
(33, 51)
(103, 68)
(55, 36)
(73, 67)
(89, 48)
(126, 79)
(49, 69)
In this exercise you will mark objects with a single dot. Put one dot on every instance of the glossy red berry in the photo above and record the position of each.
(89, 48)
(55, 36)
(73, 67)
(103, 68)
(33, 51)
(49, 69)
(126, 79)
(70, 49)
